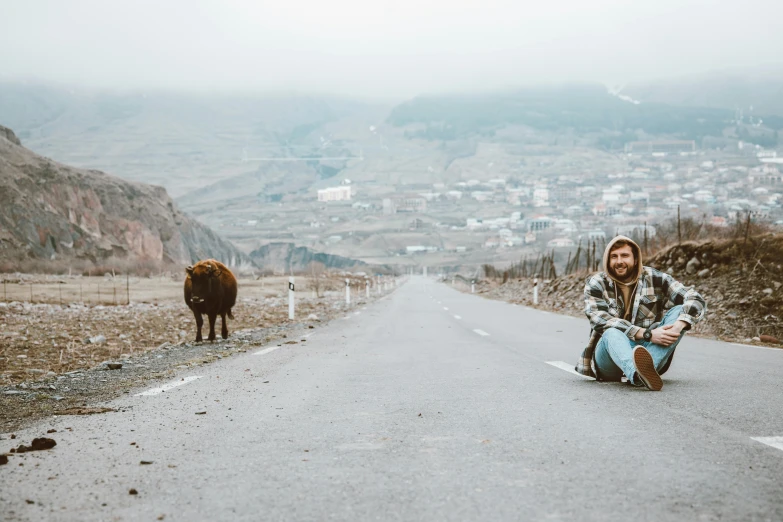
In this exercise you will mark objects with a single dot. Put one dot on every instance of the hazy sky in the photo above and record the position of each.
(379, 48)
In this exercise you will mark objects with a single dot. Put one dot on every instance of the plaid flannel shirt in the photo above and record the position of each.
(656, 292)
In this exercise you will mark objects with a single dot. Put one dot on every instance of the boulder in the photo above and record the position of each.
(693, 266)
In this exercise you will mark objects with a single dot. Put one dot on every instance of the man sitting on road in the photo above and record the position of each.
(638, 315)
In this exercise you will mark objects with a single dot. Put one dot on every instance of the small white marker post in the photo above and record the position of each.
(425, 271)
(347, 293)
(379, 285)
(367, 289)
(291, 298)
(535, 290)
(473, 287)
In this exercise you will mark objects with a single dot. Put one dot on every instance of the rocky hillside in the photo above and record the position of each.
(287, 256)
(57, 214)
(742, 281)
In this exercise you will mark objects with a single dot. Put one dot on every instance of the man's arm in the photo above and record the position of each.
(665, 335)
(597, 311)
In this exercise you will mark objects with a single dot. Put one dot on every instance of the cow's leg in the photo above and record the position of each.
(199, 324)
(212, 317)
(224, 330)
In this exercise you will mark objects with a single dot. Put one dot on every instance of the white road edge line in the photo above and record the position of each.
(757, 347)
(775, 442)
(481, 332)
(267, 350)
(169, 386)
(562, 365)
(457, 317)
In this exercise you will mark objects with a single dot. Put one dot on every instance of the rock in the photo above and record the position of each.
(704, 273)
(8, 134)
(670, 271)
(132, 491)
(776, 285)
(41, 443)
(756, 339)
(767, 291)
(692, 266)
(98, 339)
(13, 392)
(3, 459)
(312, 317)
(114, 366)
(769, 339)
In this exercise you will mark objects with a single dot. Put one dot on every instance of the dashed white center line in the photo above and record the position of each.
(775, 442)
(356, 313)
(446, 308)
(267, 350)
(566, 367)
(481, 332)
(169, 386)
(457, 317)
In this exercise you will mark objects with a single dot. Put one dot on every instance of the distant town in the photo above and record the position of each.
(504, 217)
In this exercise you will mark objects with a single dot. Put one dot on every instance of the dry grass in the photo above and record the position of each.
(43, 336)
(91, 291)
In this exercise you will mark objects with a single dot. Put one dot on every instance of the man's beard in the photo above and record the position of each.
(630, 273)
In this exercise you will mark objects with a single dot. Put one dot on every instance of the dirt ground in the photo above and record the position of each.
(55, 357)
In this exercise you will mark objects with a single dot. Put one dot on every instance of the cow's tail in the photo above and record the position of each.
(230, 315)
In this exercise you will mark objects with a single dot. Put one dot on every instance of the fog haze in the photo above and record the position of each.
(379, 49)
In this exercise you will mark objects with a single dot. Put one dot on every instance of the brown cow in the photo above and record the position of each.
(210, 288)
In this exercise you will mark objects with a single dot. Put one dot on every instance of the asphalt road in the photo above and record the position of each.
(427, 405)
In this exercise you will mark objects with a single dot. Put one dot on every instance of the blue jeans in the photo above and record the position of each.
(614, 352)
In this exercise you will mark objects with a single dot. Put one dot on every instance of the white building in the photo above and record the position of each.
(560, 242)
(541, 197)
(341, 193)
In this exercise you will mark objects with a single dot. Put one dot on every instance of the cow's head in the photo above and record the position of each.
(204, 280)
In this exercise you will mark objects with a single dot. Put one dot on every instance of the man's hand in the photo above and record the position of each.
(667, 335)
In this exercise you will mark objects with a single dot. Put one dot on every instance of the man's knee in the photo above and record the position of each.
(613, 335)
(672, 314)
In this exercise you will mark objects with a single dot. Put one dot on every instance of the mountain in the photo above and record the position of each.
(287, 256)
(584, 109)
(730, 89)
(59, 214)
(183, 141)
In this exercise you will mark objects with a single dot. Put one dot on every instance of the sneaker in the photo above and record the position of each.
(645, 369)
